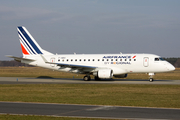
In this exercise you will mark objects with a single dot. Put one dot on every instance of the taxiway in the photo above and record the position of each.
(88, 111)
(21, 80)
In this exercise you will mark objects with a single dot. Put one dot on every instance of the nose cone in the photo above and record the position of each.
(171, 67)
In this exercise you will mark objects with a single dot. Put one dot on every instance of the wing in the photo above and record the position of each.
(82, 68)
(72, 65)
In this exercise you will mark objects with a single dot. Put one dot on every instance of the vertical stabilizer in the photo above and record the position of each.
(29, 45)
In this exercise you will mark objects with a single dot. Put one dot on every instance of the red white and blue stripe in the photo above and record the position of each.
(28, 44)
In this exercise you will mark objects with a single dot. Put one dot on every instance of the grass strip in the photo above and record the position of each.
(32, 117)
(167, 96)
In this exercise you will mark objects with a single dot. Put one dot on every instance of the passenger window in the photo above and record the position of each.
(120, 59)
(111, 59)
(67, 60)
(98, 60)
(71, 59)
(102, 59)
(129, 59)
(79, 59)
(107, 59)
(88, 59)
(75, 59)
(93, 60)
(84, 59)
(134, 59)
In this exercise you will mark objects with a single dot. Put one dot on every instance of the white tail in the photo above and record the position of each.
(29, 45)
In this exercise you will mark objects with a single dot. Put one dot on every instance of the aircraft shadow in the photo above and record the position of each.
(79, 79)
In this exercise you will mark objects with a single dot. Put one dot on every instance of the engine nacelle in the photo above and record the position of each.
(104, 73)
(121, 76)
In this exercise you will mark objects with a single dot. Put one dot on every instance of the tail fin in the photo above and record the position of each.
(29, 45)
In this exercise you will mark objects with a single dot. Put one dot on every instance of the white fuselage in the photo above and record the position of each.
(119, 63)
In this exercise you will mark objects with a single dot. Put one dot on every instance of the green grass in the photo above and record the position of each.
(95, 94)
(32, 117)
(34, 72)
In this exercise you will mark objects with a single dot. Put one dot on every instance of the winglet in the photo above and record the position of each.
(44, 59)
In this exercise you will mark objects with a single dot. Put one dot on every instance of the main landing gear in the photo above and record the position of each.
(151, 77)
(87, 78)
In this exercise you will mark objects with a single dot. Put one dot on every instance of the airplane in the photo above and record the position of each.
(101, 66)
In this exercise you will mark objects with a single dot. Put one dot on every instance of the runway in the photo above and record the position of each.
(20, 80)
(88, 111)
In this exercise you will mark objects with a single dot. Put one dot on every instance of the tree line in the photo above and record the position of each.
(174, 61)
(13, 63)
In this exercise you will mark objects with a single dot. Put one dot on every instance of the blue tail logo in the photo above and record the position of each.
(28, 44)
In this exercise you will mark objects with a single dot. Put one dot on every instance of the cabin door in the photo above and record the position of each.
(146, 62)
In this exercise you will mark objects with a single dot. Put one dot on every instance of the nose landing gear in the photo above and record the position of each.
(151, 77)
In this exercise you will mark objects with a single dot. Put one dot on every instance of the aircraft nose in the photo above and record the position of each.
(171, 67)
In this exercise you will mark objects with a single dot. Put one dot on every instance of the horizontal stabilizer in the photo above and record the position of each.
(19, 58)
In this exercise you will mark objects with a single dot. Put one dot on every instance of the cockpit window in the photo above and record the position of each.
(158, 59)
(161, 59)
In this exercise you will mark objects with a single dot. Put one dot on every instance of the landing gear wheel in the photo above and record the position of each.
(151, 80)
(151, 77)
(87, 78)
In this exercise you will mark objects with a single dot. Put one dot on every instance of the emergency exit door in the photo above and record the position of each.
(146, 61)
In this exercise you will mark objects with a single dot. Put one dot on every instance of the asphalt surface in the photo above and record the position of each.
(90, 111)
(19, 80)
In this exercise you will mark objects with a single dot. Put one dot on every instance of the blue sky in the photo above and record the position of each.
(93, 26)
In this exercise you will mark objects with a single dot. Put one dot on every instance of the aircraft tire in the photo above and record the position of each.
(151, 80)
(87, 78)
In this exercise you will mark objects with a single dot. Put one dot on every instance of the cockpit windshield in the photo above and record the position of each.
(159, 59)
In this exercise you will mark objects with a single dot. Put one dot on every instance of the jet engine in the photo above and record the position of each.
(104, 73)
